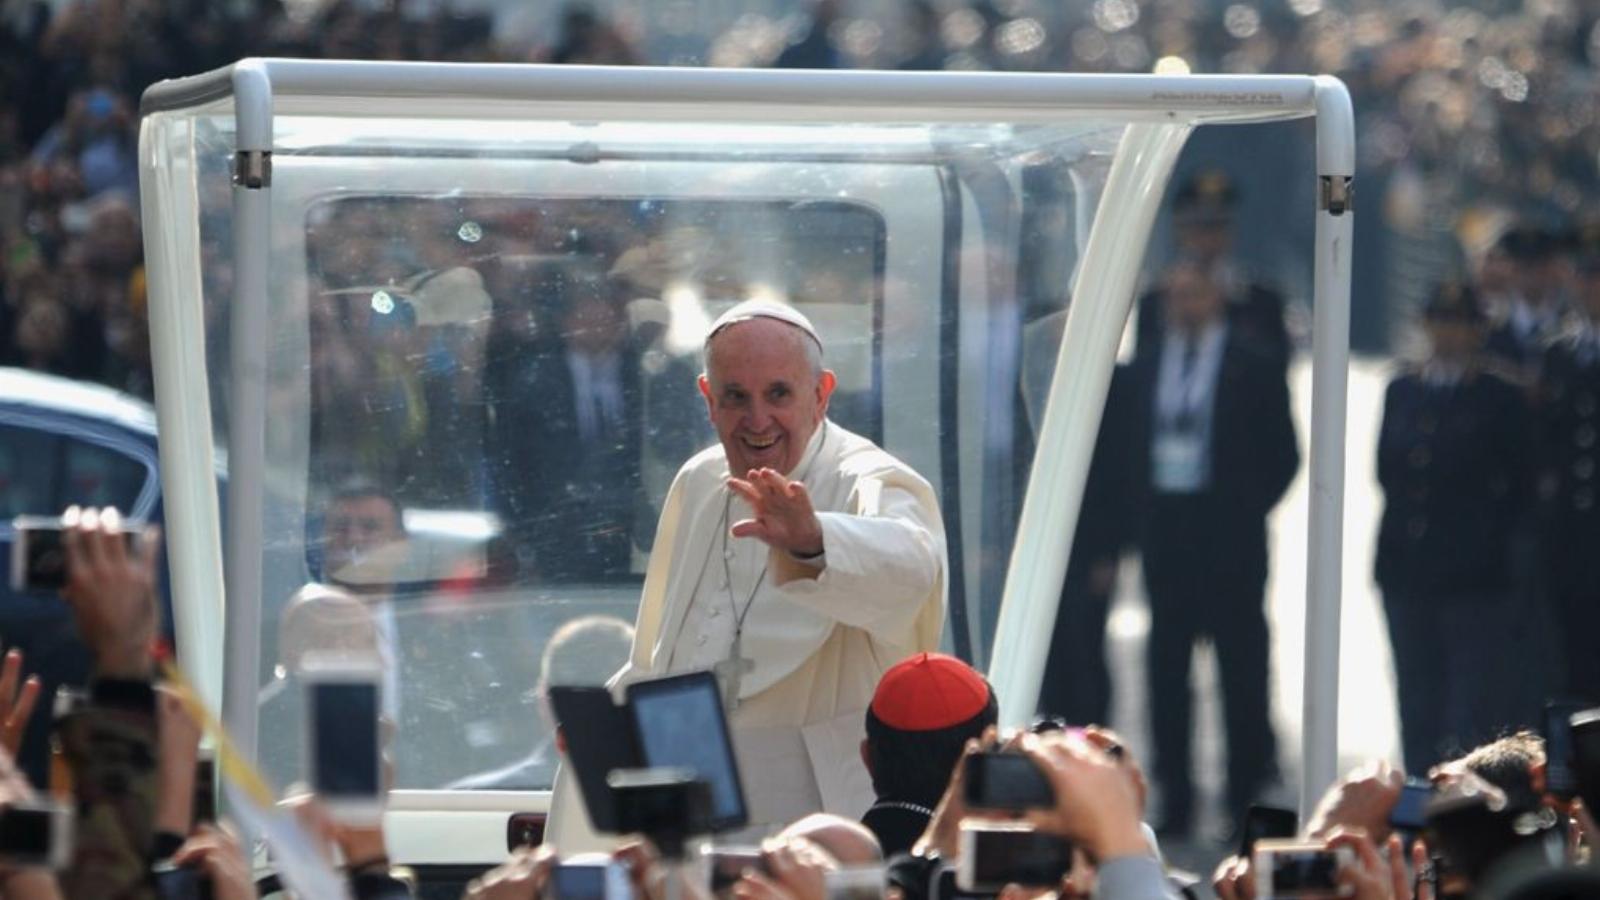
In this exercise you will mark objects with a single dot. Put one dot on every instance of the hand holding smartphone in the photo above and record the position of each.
(38, 556)
(1006, 780)
(1295, 870)
(343, 703)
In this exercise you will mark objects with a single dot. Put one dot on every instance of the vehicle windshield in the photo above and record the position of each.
(482, 376)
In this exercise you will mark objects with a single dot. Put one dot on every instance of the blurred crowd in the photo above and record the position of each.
(1470, 115)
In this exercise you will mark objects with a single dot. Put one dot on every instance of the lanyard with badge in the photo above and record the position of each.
(1178, 457)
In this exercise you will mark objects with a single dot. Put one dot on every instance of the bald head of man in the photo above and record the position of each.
(850, 843)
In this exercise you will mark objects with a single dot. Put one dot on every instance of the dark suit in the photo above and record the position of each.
(1077, 681)
(1205, 565)
(1519, 355)
(570, 500)
(1569, 415)
(1255, 316)
(1453, 464)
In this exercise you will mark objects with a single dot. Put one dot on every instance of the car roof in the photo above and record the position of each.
(21, 387)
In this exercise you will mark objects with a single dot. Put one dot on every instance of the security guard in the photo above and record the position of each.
(1203, 214)
(1454, 467)
(1532, 313)
(1570, 482)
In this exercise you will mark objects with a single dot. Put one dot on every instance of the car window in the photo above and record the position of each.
(28, 471)
(94, 475)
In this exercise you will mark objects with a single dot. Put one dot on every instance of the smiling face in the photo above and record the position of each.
(765, 392)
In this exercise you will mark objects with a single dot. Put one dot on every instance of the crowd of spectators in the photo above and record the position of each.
(1492, 822)
(1468, 114)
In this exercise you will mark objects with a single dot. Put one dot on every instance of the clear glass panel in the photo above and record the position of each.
(27, 472)
(98, 476)
(482, 358)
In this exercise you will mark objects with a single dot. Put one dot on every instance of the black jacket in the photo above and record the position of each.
(1454, 465)
(1569, 464)
(1254, 453)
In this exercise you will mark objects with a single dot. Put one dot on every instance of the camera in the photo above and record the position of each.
(1585, 736)
(1294, 869)
(1262, 822)
(1409, 815)
(590, 877)
(1560, 774)
(728, 865)
(993, 856)
(668, 806)
(36, 834)
(859, 883)
(174, 882)
(38, 556)
(1004, 779)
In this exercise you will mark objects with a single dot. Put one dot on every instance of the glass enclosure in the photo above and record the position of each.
(481, 359)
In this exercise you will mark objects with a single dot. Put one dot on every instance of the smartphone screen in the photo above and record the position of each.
(344, 719)
(26, 836)
(584, 882)
(679, 723)
(38, 557)
(1262, 822)
(999, 779)
(993, 858)
(1410, 811)
(1560, 778)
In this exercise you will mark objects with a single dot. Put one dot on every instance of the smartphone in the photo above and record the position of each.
(1586, 755)
(38, 557)
(175, 882)
(679, 723)
(343, 702)
(583, 878)
(993, 856)
(1294, 869)
(1262, 822)
(856, 883)
(1560, 778)
(599, 740)
(205, 788)
(36, 834)
(1005, 779)
(1410, 813)
(728, 865)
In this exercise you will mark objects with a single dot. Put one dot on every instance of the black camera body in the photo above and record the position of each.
(1006, 779)
(668, 806)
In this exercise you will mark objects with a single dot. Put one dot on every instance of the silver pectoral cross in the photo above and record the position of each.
(730, 674)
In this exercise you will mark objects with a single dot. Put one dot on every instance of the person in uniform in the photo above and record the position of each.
(1569, 414)
(1453, 464)
(796, 560)
(1203, 210)
(1532, 313)
(1216, 451)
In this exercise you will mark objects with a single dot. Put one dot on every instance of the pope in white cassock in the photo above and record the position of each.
(797, 560)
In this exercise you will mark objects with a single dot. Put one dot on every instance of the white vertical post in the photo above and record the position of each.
(1102, 297)
(1329, 386)
(249, 327)
(192, 539)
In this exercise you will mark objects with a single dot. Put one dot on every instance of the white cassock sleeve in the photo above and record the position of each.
(883, 559)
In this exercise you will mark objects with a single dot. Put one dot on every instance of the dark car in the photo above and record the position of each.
(64, 442)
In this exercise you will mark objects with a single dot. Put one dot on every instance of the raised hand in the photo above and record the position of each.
(111, 591)
(16, 704)
(782, 513)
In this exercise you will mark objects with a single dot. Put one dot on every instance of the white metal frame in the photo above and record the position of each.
(260, 89)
